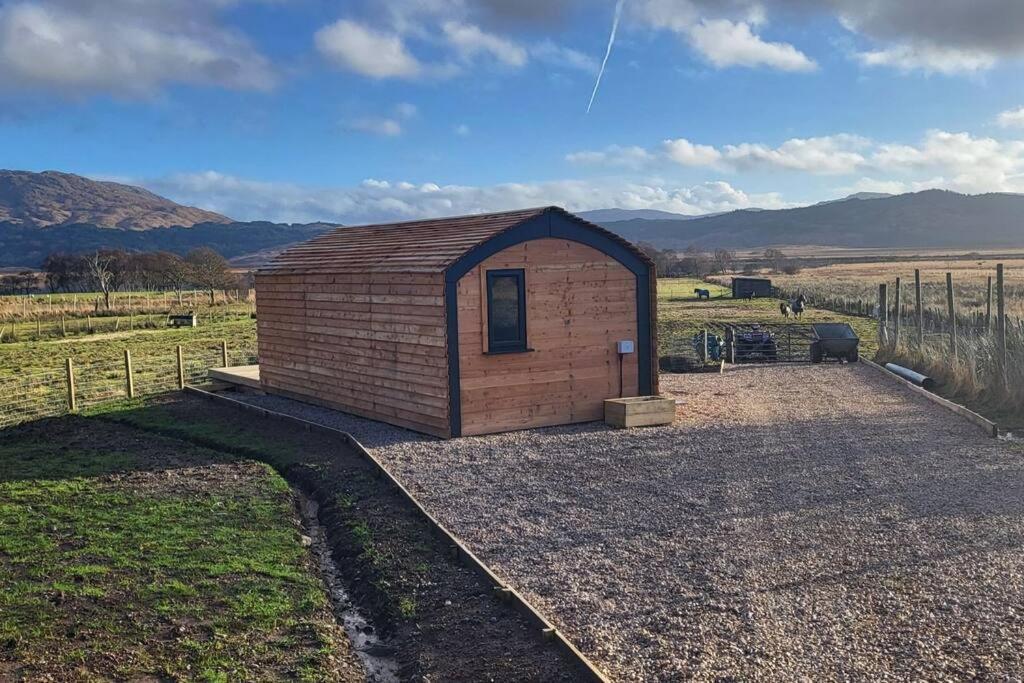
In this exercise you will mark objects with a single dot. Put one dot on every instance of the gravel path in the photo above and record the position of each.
(796, 523)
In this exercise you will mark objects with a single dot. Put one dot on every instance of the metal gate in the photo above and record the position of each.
(705, 348)
(755, 343)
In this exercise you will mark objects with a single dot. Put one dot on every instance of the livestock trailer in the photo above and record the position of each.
(460, 326)
(748, 287)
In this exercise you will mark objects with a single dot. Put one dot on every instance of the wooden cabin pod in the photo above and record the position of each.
(461, 326)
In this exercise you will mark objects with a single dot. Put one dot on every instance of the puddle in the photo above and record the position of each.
(376, 656)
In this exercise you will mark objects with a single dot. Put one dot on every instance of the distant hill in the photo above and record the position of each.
(610, 215)
(928, 219)
(26, 247)
(856, 195)
(42, 213)
(42, 200)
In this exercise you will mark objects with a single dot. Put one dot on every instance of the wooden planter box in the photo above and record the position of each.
(639, 411)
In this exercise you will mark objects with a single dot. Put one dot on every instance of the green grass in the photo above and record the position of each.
(125, 554)
(396, 573)
(48, 356)
(681, 289)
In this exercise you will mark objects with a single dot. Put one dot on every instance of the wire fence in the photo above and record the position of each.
(82, 385)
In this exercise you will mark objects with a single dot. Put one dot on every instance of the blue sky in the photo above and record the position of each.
(308, 110)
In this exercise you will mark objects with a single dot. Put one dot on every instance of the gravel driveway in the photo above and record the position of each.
(796, 523)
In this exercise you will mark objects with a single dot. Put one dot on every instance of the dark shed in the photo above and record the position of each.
(746, 287)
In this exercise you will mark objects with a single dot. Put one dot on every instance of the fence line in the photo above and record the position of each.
(89, 383)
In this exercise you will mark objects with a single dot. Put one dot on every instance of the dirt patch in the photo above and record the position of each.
(440, 618)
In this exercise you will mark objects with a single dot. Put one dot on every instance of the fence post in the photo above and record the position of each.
(883, 315)
(952, 317)
(919, 309)
(69, 370)
(129, 381)
(181, 367)
(899, 312)
(63, 327)
(224, 352)
(988, 306)
(1001, 325)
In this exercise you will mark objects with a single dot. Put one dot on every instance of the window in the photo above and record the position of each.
(506, 311)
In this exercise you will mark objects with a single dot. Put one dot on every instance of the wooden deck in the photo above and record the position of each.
(241, 375)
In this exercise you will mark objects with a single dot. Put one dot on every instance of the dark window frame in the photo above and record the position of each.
(519, 345)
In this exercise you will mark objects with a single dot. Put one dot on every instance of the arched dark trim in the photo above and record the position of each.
(561, 225)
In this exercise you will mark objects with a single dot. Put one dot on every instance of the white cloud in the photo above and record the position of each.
(827, 155)
(558, 55)
(958, 161)
(406, 110)
(361, 49)
(928, 58)
(723, 33)
(613, 155)
(376, 126)
(725, 43)
(1011, 118)
(462, 130)
(684, 152)
(379, 200)
(124, 48)
(470, 41)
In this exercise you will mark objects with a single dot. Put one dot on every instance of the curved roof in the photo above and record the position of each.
(426, 246)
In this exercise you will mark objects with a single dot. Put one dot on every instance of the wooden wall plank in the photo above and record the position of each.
(579, 304)
(371, 344)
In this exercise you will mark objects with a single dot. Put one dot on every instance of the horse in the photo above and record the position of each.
(785, 309)
(703, 294)
(797, 305)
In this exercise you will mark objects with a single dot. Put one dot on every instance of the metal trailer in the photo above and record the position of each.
(834, 340)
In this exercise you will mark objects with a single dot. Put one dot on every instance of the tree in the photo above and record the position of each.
(775, 258)
(100, 267)
(695, 262)
(209, 270)
(723, 260)
(172, 271)
(64, 272)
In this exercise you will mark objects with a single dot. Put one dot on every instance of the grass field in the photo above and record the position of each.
(681, 315)
(861, 280)
(126, 555)
(33, 379)
(41, 317)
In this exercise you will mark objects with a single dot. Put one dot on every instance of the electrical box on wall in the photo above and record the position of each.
(626, 346)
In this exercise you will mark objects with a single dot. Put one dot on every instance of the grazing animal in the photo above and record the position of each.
(798, 305)
(785, 309)
(703, 294)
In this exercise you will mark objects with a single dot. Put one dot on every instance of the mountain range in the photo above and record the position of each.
(52, 198)
(41, 213)
(927, 219)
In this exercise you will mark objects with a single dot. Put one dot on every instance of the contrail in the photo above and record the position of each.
(608, 52)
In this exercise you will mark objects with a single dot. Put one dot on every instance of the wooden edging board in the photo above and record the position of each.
(990, 428)
(502, 590)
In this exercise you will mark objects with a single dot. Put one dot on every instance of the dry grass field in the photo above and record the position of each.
(861, 280)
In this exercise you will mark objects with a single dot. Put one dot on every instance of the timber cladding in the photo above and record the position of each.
(391, 322)
(371, 344)
(579, 303)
